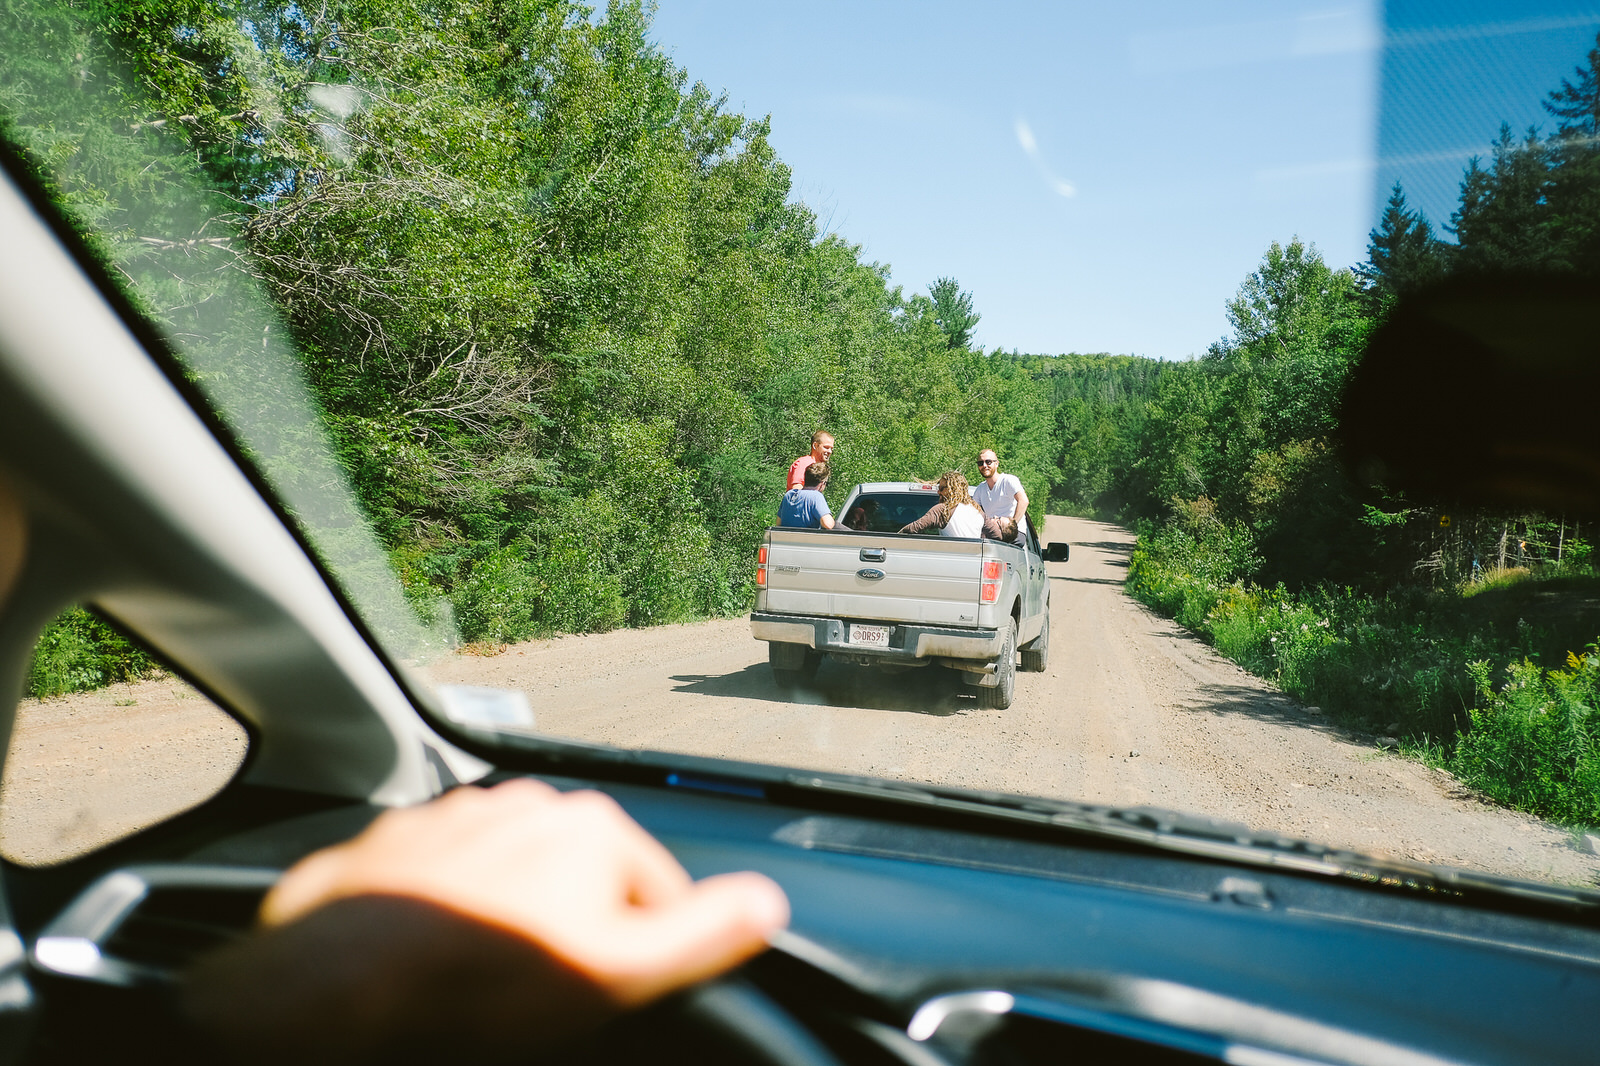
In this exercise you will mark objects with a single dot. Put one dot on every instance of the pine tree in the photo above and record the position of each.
(1574, 193)
(952, 309)
(1402, 253)
(1578, 106)
(1503, 221)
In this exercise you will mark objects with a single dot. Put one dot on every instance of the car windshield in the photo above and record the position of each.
(526, 311)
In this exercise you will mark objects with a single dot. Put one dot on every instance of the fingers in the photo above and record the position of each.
(379, 857)
(306, 885)
(717, 924)
(649, 873)
(569, 872)
(477, 836)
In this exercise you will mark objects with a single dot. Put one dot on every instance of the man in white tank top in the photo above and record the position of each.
(1001, 496)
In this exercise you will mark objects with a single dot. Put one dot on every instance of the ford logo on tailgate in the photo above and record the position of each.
(870, 573)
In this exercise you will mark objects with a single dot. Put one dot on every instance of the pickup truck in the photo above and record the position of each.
(865, 593)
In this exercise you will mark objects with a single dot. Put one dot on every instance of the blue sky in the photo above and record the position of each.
(1100, 176)
(1170, 145)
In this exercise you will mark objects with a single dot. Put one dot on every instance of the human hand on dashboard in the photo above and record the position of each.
(513, 916)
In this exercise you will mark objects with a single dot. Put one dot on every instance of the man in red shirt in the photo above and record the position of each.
(821, 448)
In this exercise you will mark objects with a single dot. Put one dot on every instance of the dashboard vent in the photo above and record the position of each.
(172, 927)
(145, 924)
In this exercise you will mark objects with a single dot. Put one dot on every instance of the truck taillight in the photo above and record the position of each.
(761, 567)
(990, 588)
(761, 555)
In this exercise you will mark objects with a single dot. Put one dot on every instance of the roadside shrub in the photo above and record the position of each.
(667, 581)
(1412, 662)
(1183, 574)
(79, 651)
(1535, 743)
(498, 600)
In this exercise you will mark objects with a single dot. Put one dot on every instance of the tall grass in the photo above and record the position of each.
(1456, 674)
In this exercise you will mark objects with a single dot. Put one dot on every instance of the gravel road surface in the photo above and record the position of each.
(1132, 711)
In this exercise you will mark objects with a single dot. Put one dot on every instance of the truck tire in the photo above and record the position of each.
(1036, 653)
(792, 664)
(998, 698)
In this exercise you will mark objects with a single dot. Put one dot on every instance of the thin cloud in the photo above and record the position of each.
(1030, 147)
(1329, 167)
(1337, 32)
(1412, 38)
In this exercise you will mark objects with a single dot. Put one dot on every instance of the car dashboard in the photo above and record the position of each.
(911, 942)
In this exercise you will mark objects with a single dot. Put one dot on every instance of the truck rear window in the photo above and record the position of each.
(886, 512)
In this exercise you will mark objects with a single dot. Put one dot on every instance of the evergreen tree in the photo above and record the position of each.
(1402, 253)
(1502, 222)
(1574, 193)
(952, 310)
(1578, 106)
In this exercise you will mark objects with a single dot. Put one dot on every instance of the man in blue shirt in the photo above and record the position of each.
(806, 507)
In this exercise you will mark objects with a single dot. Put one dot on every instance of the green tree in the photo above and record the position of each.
(1578, 105)
(1402, 253)
(1502, 221)
(952, 310)
(1573, 196)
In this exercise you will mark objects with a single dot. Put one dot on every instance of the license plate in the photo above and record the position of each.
(870, 636)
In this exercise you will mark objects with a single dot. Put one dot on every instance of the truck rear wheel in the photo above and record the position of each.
(998, 697)
(792, 664)
(1036, 653)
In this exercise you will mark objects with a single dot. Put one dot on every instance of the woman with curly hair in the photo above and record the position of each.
(955, 514)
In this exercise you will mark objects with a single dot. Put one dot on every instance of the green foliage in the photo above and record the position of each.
(1502, 221)
(1535, 742)
(1402, 253)
(952, 310)
(1186, 571)
(80, 651)
(557, 307)
(1415, 662)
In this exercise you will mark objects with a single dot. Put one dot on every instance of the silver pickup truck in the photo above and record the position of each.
(866, 593)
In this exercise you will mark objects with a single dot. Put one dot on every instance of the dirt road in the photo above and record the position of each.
(1131, 711)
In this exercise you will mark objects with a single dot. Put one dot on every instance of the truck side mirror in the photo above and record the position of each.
(1057, 551)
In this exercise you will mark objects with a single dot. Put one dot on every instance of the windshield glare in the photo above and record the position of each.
(537, 317)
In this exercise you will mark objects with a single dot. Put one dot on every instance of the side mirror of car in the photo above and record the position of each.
(1057, 551)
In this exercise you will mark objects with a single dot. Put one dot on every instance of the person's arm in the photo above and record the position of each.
(1021, 505)
(489, 922)
(827, 521)
(934, 516)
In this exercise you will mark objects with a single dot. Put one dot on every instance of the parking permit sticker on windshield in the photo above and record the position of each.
(491, 708)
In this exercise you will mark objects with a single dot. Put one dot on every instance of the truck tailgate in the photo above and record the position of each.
(874, 576)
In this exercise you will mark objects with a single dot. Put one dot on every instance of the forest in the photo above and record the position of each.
(567, 323)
